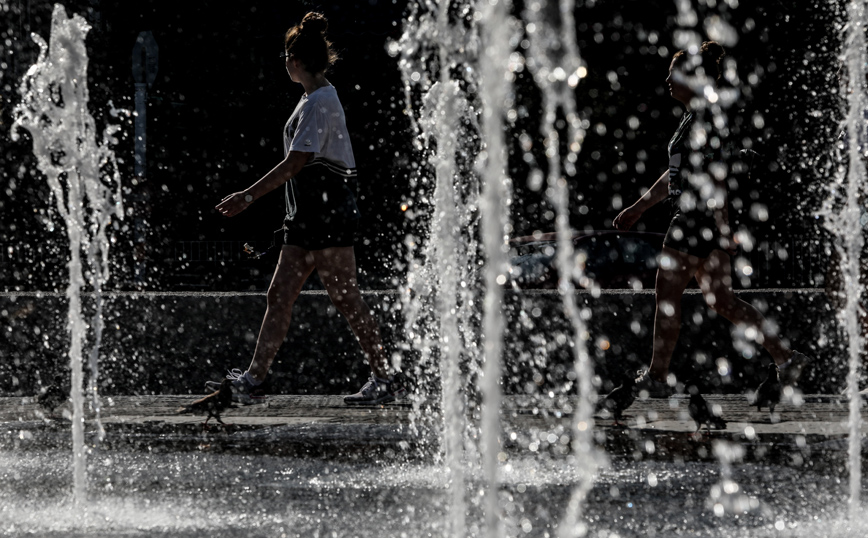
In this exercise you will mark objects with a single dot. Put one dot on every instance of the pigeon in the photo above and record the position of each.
(701, 413)
(213, 404)
(54, 395)
(619, 399)
(768, 394)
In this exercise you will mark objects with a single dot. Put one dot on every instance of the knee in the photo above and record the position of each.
(347, 301)
(722, 302)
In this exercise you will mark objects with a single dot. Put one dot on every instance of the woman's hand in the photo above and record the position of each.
(233, 204)
(627, 218)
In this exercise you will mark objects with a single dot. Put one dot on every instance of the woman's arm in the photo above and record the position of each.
(656, 194)
(235, 203)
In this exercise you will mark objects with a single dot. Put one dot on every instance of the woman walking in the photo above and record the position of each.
(318, 174)
(699, 240)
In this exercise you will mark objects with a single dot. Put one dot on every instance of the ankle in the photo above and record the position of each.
(661, 376)
(250, 380)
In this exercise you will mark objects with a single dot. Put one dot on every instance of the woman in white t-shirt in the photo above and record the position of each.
(319, 177)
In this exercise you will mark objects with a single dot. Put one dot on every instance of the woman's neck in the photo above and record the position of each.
(312, 83)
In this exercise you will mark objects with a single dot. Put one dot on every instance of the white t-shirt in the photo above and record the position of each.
(318, 126)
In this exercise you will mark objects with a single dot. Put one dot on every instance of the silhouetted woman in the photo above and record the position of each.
(318, 174)
(698, 242)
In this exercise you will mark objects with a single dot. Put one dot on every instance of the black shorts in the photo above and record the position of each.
(694, 233)
(316, 236)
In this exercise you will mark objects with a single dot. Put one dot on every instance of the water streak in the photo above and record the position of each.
(446, 234)
(494, 89)
(850, 228)
(842, 212)
(79, 171)
(557, 67)
(435, 45)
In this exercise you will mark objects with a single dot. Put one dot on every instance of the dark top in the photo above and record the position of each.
(693, 147)
(693, 150)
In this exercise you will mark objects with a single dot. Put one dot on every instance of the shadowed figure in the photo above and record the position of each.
(768, 394)
(699, 242)
(213, 404)
(619, 399)
(702, 413)
(319, 178)
(54, 395)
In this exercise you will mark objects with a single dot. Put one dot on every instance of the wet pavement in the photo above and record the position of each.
(310, 466)
(804, 429)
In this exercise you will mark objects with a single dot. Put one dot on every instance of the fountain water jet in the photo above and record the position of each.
(842, 218)
(79, 171)
(444, 47)
(441, 293)
(557, 68)
(850, 230)
(494, 87)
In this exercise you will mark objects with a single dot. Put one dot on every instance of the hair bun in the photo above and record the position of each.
(714, 49)
(314, 22)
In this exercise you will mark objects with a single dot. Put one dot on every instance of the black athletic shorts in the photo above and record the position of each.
(316, 236)
(694, 233)
(321, 210)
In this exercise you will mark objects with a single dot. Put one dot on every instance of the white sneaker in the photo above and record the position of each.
(242, 391)
(379, 391)
(645, 387)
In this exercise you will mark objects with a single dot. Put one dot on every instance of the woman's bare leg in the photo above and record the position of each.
(293, 268)
(715, 281)
(337, 270)
(674, 273)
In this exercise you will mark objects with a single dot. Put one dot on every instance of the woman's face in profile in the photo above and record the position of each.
(677, 82)
(292, 67)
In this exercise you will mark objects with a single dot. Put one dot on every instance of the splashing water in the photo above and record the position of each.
(843, 219)
(557, 68)
(494, 91)
(440, 298)
(849, 228)
(727, 497)
(80, 172)
(446, 51)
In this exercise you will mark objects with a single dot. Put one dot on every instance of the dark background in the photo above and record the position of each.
(221, 97)
(215, 116)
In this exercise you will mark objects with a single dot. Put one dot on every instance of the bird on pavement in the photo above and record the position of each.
(619, 399)
(213, 404)
(768, 394)
(54, 395)
(702, 413)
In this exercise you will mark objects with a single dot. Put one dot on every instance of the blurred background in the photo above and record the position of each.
(216, 97)
(220, 96)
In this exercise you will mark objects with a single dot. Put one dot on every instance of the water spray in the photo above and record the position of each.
(83, 178)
